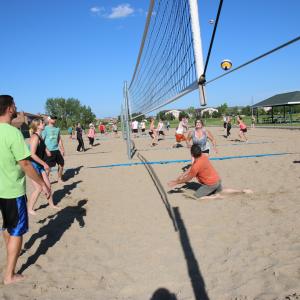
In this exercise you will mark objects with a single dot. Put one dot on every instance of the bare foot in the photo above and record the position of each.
(15, 278)
(55, 207)
(214, 196)
(190, 197)
(247, 191)
(32, 212)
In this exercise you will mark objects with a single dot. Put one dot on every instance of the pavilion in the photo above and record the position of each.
(285, 100)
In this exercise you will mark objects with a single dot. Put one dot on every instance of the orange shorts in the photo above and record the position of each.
(180, 138)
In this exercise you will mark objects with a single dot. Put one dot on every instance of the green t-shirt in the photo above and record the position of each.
(51, 136)
(12, 149)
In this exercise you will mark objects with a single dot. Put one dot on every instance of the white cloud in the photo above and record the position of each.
(97, 10)
(121, 11)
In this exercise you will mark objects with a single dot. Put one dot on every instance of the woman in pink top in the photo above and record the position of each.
(243, 129)
(91, 134)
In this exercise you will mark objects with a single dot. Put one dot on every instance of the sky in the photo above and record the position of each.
(86, 49)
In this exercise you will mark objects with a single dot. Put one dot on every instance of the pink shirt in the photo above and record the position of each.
(91, 133)
(242, 125)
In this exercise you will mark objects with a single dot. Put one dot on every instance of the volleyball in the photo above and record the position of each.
(226, 64)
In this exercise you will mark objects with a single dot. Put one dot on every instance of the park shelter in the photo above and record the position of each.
(285, 101)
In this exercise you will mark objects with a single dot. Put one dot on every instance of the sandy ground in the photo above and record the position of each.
(115, 237)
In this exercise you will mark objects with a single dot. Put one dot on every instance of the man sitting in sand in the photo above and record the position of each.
(207, 176)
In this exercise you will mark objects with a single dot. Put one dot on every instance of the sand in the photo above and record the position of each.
(114, 238)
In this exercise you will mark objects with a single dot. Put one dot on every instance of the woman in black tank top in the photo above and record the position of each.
(38, 151)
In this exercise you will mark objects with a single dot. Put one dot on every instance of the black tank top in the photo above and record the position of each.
(41, 148)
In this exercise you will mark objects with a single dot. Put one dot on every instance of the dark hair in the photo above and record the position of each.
(5, 102)
(196, 151)
(199, 120)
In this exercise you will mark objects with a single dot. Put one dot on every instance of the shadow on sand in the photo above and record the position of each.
(60, 194)
(163, 294)
(52, 232)
(70, 173)
(196, 278)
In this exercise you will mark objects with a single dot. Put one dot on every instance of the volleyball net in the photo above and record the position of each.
(170, 61)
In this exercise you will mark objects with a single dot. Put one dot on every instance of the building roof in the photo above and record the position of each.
(290, 98)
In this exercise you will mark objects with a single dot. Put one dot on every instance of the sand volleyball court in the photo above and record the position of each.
(122, 234)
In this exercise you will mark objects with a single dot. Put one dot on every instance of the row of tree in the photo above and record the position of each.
(193, 113)
(69, 112)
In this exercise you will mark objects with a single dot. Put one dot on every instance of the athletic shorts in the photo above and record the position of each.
(180, 137)
(39, 169)
(244, 130)
(143, 129)
(55, 158)
(207, 190)
(151, 133)
(14, 214)
(102, 131)
(161, 132)
(224, 124)
(134, 130)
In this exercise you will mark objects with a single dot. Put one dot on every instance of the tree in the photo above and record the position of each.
(69, 111)
(183, 114)
(223, 109)
(191, 111)
(246, 111)
(235, 111)
(161, 116)
(140, 118)
(169, 117)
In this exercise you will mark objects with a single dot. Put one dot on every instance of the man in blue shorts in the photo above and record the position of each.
(53, 141)
(14, 163)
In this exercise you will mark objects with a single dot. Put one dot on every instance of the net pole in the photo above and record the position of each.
(197, 45)
(127, 126)
(122, 122)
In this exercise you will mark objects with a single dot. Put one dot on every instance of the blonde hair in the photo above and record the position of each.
(34, 125)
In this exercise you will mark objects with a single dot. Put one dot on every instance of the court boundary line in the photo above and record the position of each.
(162, 162)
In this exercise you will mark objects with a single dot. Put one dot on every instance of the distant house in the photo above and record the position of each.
(108, 120)
(23, 120)
(174, 112)
(209, 110)
(200, 111)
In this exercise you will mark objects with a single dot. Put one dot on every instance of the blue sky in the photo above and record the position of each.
(86, 49)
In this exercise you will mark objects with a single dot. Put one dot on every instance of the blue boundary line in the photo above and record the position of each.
(221, 145)
(163, 162)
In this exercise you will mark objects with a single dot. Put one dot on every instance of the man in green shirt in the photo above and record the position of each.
(14, 164)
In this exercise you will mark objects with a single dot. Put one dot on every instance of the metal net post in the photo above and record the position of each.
(126, 121)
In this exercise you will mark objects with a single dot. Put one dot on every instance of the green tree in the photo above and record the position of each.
(140, 118)
(235, 111)
(223, 109)
(69, 111)
(191, 111)
(246, 111)
(183, 114)
(161, 115)
(169, 117)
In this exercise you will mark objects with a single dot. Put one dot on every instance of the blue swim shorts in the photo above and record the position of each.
(14, 214)
(39, 169)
